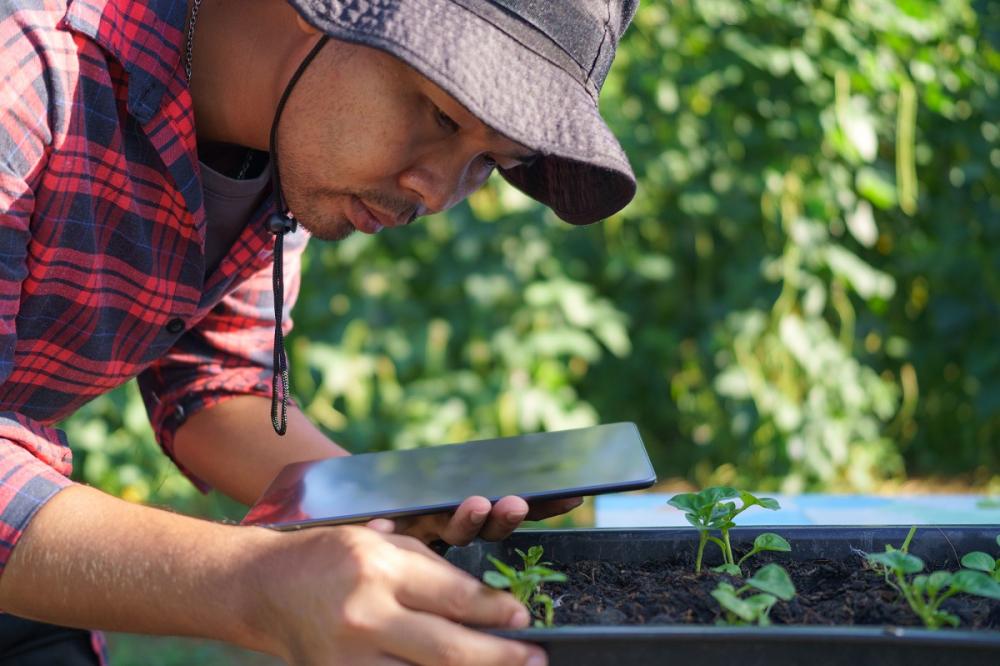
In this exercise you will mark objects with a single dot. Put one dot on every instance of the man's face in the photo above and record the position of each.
(366, 142)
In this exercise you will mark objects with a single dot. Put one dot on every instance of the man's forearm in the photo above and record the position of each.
(90, 560)
(310, 597)
(233, 447)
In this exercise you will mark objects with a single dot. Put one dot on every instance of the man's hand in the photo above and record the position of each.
(475, 518)
(355, 596)
(345, 595)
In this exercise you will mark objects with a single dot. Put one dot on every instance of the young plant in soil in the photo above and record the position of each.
(708, 510)
(526, 584)
(980, 561)
(926, 592)
(773, 583)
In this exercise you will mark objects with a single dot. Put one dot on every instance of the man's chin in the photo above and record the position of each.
(329, 230)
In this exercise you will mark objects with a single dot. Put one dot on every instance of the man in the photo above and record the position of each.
(155, 157)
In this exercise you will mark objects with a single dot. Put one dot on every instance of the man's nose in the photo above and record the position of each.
(440, 183)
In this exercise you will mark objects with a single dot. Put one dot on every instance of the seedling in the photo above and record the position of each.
(926, 592)
(707, 510)
(526, 585)
(773, 582)
(981, 561)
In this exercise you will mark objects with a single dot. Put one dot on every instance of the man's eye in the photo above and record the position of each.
(489, 162)
(444, 120)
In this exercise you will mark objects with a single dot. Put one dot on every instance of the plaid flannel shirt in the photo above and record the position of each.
(102, 236)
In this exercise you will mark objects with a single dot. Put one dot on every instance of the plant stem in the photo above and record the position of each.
(702, 540)
(752, 552)
(721, 544)
(909, 537)
(728, 550)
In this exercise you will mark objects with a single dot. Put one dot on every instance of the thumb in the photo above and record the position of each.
(382, 525)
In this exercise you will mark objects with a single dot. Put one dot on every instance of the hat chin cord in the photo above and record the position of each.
(280, 223)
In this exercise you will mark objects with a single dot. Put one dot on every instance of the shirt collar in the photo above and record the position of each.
(145, 36)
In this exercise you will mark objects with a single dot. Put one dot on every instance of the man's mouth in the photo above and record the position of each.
(364, 218)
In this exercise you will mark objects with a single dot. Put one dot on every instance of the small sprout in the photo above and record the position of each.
(981, 561)
(897, 560)
(773, 582)
(707, 510)
(767, 541)
(526, 585)
(925, 593)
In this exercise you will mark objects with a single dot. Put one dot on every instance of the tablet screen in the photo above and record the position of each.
(568, 463)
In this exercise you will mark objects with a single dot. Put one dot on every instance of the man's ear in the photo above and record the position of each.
(305, 26)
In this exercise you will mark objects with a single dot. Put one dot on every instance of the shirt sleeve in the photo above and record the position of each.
(227, 354)
(34, 459)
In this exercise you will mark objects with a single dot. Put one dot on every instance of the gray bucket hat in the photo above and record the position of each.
(530, 69)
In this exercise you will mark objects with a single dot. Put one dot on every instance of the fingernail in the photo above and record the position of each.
(520, 618)
(479, 516)
(537, 659)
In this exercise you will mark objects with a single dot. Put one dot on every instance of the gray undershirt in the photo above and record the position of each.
(228, 206)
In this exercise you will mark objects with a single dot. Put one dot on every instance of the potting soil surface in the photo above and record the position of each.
(828, 592)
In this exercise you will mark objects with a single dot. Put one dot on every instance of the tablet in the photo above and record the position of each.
(391, 484)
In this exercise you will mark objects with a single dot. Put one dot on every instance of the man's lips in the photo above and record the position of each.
(371, 220)
(363, 218)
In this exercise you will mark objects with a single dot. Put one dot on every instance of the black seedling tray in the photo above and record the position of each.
(940, 547)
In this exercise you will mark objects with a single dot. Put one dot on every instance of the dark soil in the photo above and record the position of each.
(668, 592)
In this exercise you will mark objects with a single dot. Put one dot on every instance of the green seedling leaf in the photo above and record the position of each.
(722, 516)
(543, 575)
(975, 582)
(938, 581)
(687, 502)
(979, 561)
(533, 556)
(696, 521)
(773, 579)
(496, 579)
(506, 570)
(935, 618)
(771, 541)
(769, 503)
(728, 600)
(761, 605)
(897, 560)
(931, 585)
(730, 569)
(712, 495)
(749, 499)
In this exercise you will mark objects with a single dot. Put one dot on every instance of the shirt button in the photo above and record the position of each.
(175, 326)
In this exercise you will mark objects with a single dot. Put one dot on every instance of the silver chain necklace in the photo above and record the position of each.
(189, 59)
(189, 45)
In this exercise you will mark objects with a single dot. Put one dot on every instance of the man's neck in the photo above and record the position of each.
(244, 53)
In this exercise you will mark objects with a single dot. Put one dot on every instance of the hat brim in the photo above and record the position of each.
(582, 172)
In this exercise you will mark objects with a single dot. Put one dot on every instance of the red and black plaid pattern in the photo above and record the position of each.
(102, 235)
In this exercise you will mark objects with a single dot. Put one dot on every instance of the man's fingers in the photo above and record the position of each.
(428, 640)
(382, 525)
(540, 510)
(508, 513)
(464, 525)
(435, 586)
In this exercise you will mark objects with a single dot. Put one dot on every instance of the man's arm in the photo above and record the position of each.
(350, 593)
(233, 447)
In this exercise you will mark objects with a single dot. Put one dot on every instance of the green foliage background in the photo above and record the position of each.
(803, 295)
